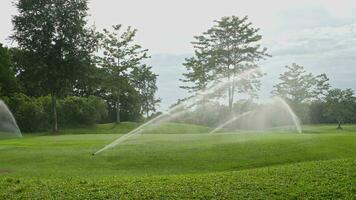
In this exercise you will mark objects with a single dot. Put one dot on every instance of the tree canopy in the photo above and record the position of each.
(54, 34)
(340, 105)
(298, 86)
(226, 50)
(8, 83)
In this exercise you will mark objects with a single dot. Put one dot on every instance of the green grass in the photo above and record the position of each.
(333, 179)
(165, 164)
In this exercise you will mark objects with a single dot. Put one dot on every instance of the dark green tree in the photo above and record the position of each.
(340, 105)
(90, 85)
(303, 91)
(226, 50)
(53, 33)
(120, 56)
(8, 81)
(322, 87)
(200, 71)
(296, 86)
(144, 80)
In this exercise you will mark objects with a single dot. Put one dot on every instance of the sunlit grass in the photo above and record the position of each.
(199, 160)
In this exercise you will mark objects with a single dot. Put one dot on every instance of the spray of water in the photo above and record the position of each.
(231, 121)
(8, 125)
(295, 118)
(276, 115)
(180, 109)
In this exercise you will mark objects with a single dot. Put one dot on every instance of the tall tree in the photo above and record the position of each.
(322, 87)
(340, 105)
(144, 80)
(304, 91)
(54, 34)
(8, 82)
(226, 50)
(298, 86)
(120, 56)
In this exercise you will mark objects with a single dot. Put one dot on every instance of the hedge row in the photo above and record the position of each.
(35, 114)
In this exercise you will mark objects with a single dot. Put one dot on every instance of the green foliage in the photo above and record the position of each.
(53, 34)
(129, 105)
(33, 114)
(296, 85)
(200, 73)
(340, 105)
(144, 80)
(29, 112)
(120, 57)
(8, 82)
(226, 50)
(322, 87)
(300, 89)
(82, 111)
(317, 110)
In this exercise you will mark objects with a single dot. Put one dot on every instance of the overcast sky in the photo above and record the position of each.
(318, 34)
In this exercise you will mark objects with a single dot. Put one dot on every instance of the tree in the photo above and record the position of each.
(54, 35)
(296, 85)
(144, 80)
(226, 50)
(120, 56)
(301, 89)
(340, 105)
(90, 85)
(322, 87)
(8, 81)
(199, 72)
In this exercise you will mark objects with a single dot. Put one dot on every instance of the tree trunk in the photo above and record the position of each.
(230, 103)
(118, 110)
(118, 96)
(339, 125)
(54, 111)
(231, 95)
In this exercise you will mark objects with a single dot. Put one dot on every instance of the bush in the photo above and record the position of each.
(35, 114)
(29, 112)
(81, 110)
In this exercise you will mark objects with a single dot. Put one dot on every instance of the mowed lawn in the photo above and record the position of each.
(180, 161)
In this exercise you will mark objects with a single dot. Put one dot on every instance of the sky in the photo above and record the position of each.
(317, 34)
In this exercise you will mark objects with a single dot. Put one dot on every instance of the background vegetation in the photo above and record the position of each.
(65, 72)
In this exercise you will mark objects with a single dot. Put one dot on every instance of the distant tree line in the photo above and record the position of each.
(231, 49)
(313, 99)
(64, 72)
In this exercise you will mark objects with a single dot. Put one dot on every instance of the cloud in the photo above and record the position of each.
(321, 41)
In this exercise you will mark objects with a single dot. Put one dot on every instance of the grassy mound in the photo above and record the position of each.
(176, 128)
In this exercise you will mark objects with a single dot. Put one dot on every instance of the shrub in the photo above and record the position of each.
(81, 110)
(29, 112)
(35, 114)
